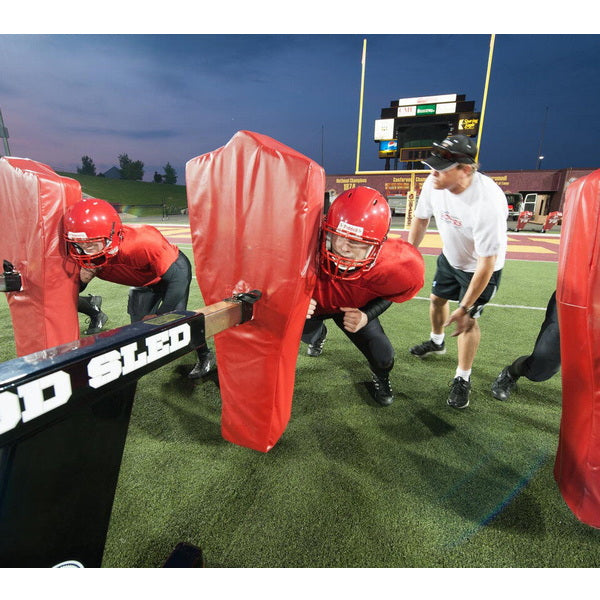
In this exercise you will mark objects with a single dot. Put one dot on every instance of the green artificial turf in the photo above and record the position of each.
(350, 483)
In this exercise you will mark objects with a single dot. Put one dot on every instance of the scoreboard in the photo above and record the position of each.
(409, 126)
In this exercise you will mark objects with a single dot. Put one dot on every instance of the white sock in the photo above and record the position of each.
(437, 338)
(466, 375)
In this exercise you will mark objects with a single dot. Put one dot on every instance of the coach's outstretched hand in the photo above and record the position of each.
(464, 322)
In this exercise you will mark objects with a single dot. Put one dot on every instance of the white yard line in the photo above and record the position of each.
(189, 247)
(497, 305)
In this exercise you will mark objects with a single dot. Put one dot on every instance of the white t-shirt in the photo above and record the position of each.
(471, 224)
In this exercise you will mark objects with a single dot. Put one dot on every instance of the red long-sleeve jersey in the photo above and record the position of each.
(398, 274)
(144, 256)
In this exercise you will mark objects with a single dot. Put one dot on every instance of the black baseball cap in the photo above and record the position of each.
(454, 149)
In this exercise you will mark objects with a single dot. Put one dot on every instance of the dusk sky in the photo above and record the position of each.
(169, 98)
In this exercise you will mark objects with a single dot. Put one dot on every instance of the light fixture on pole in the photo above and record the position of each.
(540, 155)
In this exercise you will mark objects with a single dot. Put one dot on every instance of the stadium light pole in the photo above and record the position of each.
(485, 92)
(360, 104)
(4, 136)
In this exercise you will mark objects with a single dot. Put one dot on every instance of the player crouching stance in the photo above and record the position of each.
(139, 256)
(361, 273)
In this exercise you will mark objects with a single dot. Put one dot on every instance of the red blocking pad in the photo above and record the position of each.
(33, 199)
(577, 466)
(255, 209)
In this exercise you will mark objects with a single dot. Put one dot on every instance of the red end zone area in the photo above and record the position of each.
(520, 246)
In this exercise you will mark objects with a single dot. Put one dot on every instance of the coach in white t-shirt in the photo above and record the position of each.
(470, 212)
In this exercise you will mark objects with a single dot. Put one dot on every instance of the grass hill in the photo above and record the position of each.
(141, 197)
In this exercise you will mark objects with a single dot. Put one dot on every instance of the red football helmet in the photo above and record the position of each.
(360, 215)
(92, 221)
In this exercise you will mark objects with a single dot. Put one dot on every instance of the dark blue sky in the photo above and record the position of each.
(168, 98)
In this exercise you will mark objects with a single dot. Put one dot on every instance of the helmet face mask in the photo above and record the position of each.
(346, 264)
(92, 231)
(353, 231)
(83, 252)
(349, 247)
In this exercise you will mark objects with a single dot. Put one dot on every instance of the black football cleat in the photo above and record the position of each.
(316, 348)
(92, 308)
(382, 390)
(504, 385)
(203, 366)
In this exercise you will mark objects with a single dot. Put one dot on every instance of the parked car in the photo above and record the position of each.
(515, 205)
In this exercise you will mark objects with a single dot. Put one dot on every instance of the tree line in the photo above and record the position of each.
(130, 169)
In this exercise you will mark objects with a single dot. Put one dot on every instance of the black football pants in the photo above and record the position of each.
(171, 293)
(544, 361)
(371, 340)
(164, 296)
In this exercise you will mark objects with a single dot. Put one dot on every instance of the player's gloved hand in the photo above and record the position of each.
(311, 308)
(354, 319)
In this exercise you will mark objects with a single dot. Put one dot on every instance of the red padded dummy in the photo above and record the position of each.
(577, 467)
(524, 218)
(551, 220)
(33, 199)
(255, 210)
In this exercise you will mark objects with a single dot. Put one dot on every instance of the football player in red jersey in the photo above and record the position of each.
(138, 256)
(361, 273)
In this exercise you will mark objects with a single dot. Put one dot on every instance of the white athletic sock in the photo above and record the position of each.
(437, 338)
(466, 375)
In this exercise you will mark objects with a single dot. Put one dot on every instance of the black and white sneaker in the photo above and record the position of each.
(382, 390)
(427, 348)
(504, 385)
(316, 348)
(459, 393)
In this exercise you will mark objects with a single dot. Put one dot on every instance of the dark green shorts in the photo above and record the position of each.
(452, 284)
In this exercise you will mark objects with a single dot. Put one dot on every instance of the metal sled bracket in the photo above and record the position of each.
(232, 311)
(10, 280)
